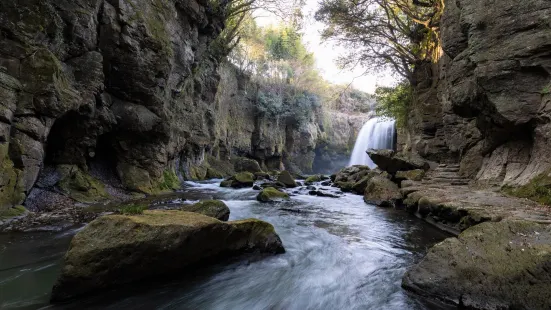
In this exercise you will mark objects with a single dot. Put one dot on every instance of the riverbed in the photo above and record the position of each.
(340, 254)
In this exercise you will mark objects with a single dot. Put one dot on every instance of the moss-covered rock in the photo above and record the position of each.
(135, 178)
(412, 175)
(214, 174)
(504, 265)
(240, 180)
(271, 194)
(242, 164)
(382, 192)
(287, 179)
(360, 186)
(12, 191)
(538, 189)
(12, 212)
(213, 208)
(313, 179)
(79, 185)
(345, 186)
(169, 181)
(120, 249)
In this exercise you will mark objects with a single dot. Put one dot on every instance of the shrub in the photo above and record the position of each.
(394, 102)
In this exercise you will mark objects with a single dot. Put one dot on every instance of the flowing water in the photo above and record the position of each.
(377, 133)
(340, 254)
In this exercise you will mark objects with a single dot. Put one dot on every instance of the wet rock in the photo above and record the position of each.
(271, 194)
(392, 162)
(313, 179)
(286, 179)
(262, 176)
(326, 183)
(504, 265)
(240, 180)
(117, 249)
(345, 186)
(360, 186)
(242, 164)
(382, 192)
(311, 188)
(323, 194)
(213, 208)
(257, 188)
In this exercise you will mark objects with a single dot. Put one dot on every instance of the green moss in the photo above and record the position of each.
(313, 179)
(12, 191)
(213, 208)
(345, 186)
(12, 212)
(80, 186)
(539, 189)
(244, 177)
(170, 181)
(133, 209)
(271, 194)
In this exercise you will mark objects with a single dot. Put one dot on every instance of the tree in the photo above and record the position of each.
(383, 34)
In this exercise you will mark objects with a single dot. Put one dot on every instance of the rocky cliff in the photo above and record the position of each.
(129, 92)
(485, 103)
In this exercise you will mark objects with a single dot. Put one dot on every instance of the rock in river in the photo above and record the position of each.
(213, 208)
(240, 180)
(503, 265)
(287, 179)
(271, 194)
(120, 249)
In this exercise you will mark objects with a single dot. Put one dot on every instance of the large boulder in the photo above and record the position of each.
(117, 249)
(240, 180)
(213, 208)
(243, 164)
(287, 179)
(271, 194)
(503, 265)
(412, 175)
(382, 192)
(392, 162)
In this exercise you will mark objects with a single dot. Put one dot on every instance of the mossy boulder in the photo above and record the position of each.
(271, 194)
(242, 164)
(360, 186)
(382, 192)
(412, 175)
(213, 208)
(287, 179)
(345, 186)
(214, 174)
(313, 179)
(503, 265)
(115, 250)
(12, 212)
(79, 185)
(240, 180)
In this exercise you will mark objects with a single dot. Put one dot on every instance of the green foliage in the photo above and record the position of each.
(170, 181)
(539, 189)
(394, 102)
(297, 108)
(133, 209)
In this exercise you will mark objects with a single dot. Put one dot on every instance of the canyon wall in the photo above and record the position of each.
(486, 103)
(135, 89)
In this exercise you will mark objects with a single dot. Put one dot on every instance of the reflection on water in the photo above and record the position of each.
(341, 254)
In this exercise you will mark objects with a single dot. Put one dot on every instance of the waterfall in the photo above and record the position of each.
(377, 133)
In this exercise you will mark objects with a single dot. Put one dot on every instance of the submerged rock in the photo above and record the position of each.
(287, 179)
(117, 249)
(240, 180)
(504, 265)
(271, 194)
(382, 192)
(213, 208)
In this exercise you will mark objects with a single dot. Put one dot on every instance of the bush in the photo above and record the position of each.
(296, 108)
(394, 102)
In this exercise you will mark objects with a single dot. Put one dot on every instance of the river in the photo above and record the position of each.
(340, 254)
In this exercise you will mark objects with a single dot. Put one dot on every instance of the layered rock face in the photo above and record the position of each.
(133, 86)
(486, 103)
(80, 80)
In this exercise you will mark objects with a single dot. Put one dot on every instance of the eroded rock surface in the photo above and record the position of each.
(505, 265)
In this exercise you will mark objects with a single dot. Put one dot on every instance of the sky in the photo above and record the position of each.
(326, 53)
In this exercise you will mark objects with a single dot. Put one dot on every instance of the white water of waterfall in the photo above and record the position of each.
(377, 133)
